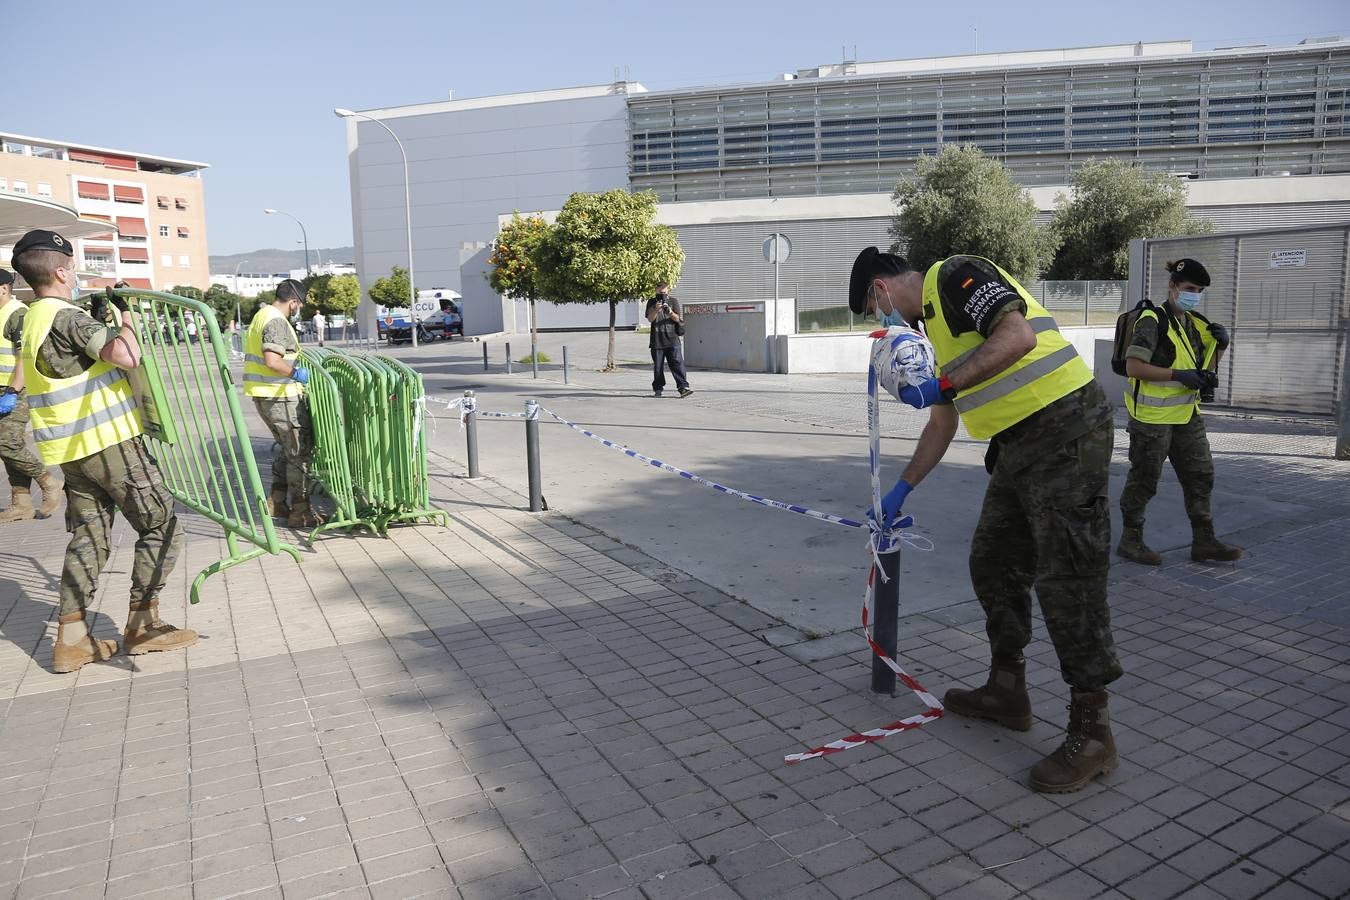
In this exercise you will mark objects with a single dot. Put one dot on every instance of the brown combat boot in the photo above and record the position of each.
(303, 515)
(1088, 750)
(277, 507)
(51, 494)
(145, 633)
(75, 646)
(1133, 548)
(20, 507)
(1003, 699)
(1205, 547)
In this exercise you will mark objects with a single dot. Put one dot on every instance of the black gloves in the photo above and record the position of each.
(115, 300)
(1191, 378)
(1220, 335)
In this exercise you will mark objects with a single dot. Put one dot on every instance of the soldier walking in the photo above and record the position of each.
(21, 466)
(1007, 373)
(85, 419)
(1171, 363)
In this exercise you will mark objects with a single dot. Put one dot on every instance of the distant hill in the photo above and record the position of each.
(274, 260)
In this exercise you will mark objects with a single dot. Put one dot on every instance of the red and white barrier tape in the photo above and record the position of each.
(873, 735)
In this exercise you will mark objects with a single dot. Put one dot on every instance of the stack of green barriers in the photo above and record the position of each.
(370, 448)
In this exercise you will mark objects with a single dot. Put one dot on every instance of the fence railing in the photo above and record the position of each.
(195, 426)
(370, 441)
(1070, 302)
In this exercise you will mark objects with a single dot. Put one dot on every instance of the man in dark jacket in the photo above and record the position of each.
(663, 311)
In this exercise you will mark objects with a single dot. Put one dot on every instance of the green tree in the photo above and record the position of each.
(391, 290)
(188, 291)
(1109, 204)
(961, 201)
(514, 262)
(224, 302)
(605, 248)
(334, 295)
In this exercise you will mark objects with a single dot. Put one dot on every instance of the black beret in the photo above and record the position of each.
(1190, 270)
(870, 262)
(6, 276)
(39, 239)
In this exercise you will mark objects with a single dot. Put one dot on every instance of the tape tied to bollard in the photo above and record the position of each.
(880, 540)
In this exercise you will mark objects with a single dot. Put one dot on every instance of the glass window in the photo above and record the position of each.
(20, 187)
(164, 231)
(44, 189)
(166, 260)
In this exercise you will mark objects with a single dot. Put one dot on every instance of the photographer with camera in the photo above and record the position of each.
(663, 311)
(1171, 362)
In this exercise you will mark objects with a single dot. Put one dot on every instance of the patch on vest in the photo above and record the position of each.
(974, 292)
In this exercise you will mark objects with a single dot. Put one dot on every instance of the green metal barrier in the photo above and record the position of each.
(373, 407)
(195, 427)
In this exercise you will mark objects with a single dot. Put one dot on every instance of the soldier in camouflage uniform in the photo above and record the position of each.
(1171, 369)
(22, 467)
(84, 418)
(1004, 369)
(275, 380)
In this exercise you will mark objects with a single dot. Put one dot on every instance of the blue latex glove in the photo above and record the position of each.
(300, 374)
(923, 396)
(8, 400)
(894, 501)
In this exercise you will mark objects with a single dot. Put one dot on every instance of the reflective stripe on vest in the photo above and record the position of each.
(74, 417)
(1049, 371)
(8, 358)
(259, 380)
(1171, 402)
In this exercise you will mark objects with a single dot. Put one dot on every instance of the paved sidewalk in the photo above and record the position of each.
(521, 706)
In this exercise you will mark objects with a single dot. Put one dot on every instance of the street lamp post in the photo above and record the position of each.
(407, 201)
(303, 234)
(236, 274)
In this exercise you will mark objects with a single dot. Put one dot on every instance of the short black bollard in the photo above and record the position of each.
(471, 432)
(508, 357)
(532, 455)
(885, 619)
(564, 364)
(485, 363)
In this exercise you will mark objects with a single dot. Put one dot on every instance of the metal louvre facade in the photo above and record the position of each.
(1214, 115)
(1283, 294)
(724, 263)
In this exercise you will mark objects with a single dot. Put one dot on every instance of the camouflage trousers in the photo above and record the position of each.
(1187, 446)
(288, 421)
(123, 477)
(20, 464)
(1048, 525)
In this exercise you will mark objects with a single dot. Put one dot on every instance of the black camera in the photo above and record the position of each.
(1211, 380)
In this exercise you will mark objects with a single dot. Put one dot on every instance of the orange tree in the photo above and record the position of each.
(515, 272)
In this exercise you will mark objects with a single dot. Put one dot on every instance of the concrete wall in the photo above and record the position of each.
(469, 161)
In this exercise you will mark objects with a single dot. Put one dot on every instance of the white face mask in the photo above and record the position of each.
(74, 285)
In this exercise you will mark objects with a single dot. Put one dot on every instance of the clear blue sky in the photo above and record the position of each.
(249, 87)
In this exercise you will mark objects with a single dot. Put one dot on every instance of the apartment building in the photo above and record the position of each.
(154, 206)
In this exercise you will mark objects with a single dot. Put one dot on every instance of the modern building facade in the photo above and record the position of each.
(468, 161)
(154, 204)
(1260, 134)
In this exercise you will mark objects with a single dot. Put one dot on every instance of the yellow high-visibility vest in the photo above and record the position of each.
(78, 416)
(9, 357)
(1171, 402)
(260, 381)
(1053, 369)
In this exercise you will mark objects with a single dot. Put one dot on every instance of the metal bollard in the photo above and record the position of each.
(471, 432)
(532, 455)
(485, 363)
(885, 621)
(534, 362)
(508, 357)
(564, 364)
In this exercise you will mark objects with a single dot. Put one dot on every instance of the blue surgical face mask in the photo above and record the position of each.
(1189, 300)
(891, 318)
